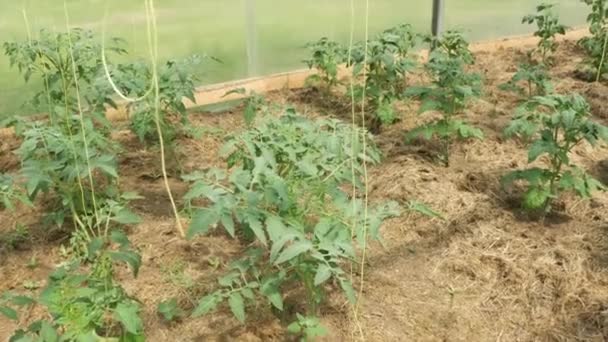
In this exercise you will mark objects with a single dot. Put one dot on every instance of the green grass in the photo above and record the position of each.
(217, 28)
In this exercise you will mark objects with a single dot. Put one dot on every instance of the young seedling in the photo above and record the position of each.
(254, 104)
(535, 78)
(449, 93)
(170, 310)
(326, 57)
(388, 62)
(84, 304)
(307, 328)
(597, 44)
(548, 27)
(554, 125)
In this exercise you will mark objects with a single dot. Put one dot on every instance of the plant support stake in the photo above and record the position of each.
(438, 14)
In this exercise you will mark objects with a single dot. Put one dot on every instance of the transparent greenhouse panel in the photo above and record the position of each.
(252, 37)
(284, 27)
(185, 27)
(495, 19)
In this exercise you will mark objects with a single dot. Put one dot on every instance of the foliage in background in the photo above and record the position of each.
(326, 56)
(449, 93)
(548, 27)
(386, 65)
(453, 44)
(254, 104)
(595, 46)
(175, 82)
(283, 193)
(48, 59)
(536, 79)
(553, 125)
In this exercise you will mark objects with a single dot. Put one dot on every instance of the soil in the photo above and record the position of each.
(488, 272)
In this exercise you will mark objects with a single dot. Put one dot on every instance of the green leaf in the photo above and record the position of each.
(128, 315)
(424, 209)
(237, 306)
(228, 224)
(201, 222)
(105, 163)
(308, 168)
(349, 291)
(130, 257)
(130, 196)
(169, 309)
(21, 300)
(293, 251)
(275, 228)
(466, 131)
(534, 176)
(323, 273)
(540, 147)
(126, 216)
(206, 305)
(270, 289)
(294, 328)
(249, 113)
(429, 105)
(119, 237)
(48, 333)
(228, 279)
(128, 337)
(248, 293)
(257, 228)
(9, 313)
(536, 198)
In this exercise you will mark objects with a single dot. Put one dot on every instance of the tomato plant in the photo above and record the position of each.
(449, 93)
(535, 77)
(84, 305)
(326, 57)
(595, 45)
(71, 158)
(283, 193)
(69, 66)
(254, 104)
(553, 125)
(548, 27)
(175, 81)
(386, 65)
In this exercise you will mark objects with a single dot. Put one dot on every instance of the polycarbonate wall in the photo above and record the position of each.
(492, 19)
(252, 37)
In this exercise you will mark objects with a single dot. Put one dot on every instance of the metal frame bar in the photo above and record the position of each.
(438, 17)
(252, 46)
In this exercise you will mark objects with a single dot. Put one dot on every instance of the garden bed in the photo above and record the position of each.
(485, 273)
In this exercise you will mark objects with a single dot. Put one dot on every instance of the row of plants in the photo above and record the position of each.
(550, 124)
(282, 194)
(69, 161)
